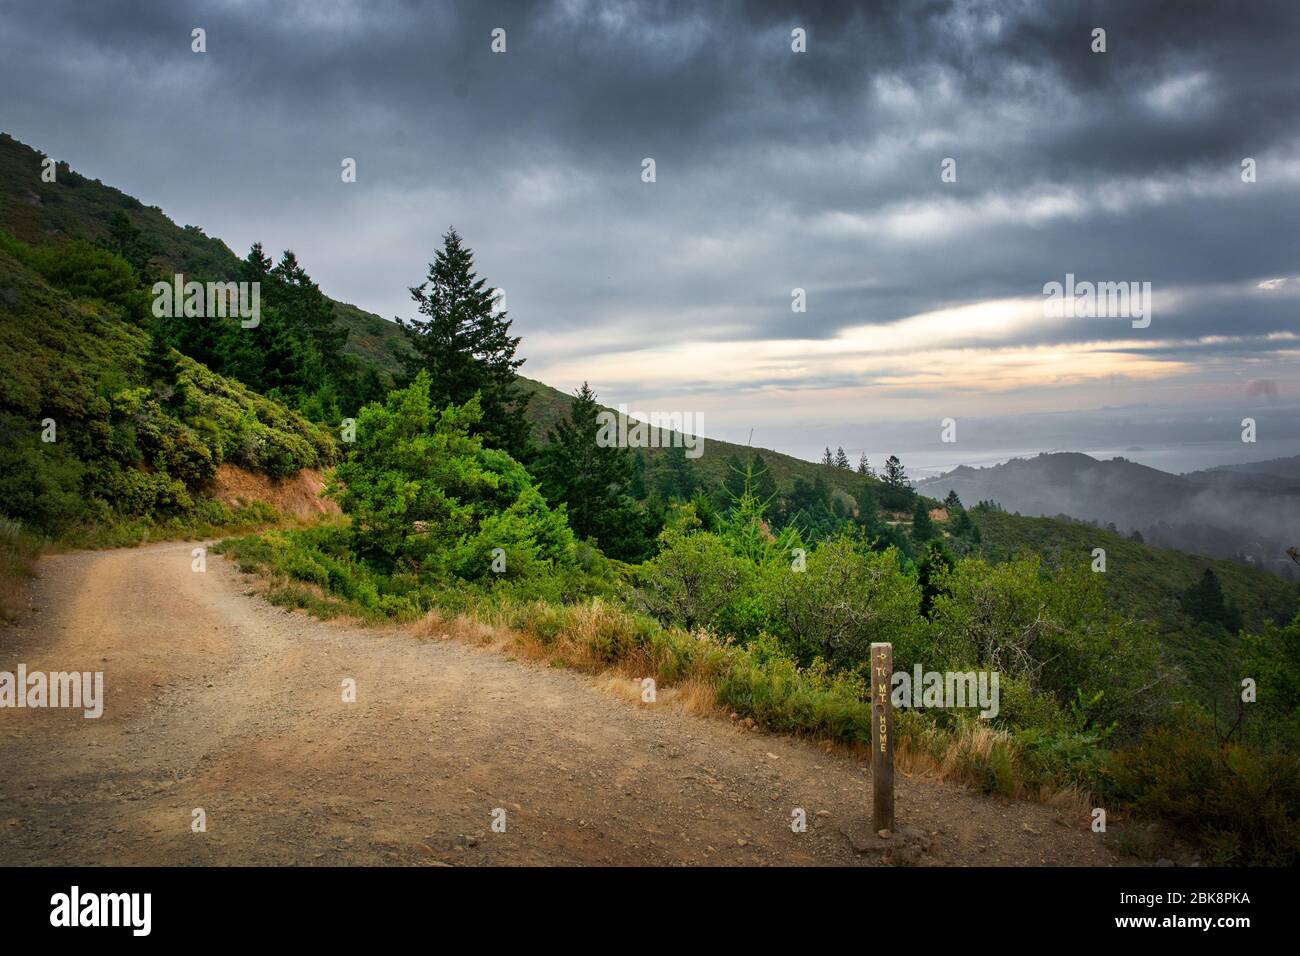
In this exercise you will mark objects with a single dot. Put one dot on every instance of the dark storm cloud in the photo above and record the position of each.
(775, 170)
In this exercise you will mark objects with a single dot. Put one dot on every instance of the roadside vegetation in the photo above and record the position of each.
(453, 535)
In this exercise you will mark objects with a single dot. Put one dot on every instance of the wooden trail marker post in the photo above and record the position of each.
(882, 744)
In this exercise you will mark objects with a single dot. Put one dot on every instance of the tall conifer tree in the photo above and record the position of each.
(466, 346)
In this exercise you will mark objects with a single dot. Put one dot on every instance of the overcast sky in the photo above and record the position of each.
(775, 170)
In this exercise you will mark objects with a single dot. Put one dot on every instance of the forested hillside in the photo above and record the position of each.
(103, 426)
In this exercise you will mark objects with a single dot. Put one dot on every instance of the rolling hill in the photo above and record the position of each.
(1248, 513)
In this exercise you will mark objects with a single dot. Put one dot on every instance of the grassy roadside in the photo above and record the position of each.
(18, 553)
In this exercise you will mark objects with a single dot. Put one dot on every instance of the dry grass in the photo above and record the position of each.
(18, 554)
(600, 639)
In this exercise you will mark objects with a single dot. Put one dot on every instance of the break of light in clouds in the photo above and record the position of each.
(775, 170)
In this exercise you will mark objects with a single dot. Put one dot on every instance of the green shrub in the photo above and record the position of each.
(1241, 805)
(422, 492)
(692, 579)
(847, 598)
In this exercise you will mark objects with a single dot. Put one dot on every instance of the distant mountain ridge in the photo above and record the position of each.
(1248, 512)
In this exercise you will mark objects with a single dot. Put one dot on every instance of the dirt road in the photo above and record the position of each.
(217, 700)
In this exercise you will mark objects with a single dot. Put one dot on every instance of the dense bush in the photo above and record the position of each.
(1242, 804)
(847, 598)
(1053, 631)
(423, 493)
(692, 579)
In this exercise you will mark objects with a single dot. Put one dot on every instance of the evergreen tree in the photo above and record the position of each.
(676, 479)
(1205, 603)
(636, 484)
(841, 459)
(161, 369)
(734, 482)
(126, 239)
(467, 347)
(592, 480)
(897, 494)
(306, 310)
(864, 467)
(764, 484)
(255, 266)
(895, 475)
(828, 459)
(922, 526)
(952, 503)
(868, 507)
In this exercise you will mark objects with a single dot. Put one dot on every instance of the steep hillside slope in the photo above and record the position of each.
(77, 207)
(91, 440)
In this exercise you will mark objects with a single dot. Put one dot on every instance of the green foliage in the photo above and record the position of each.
(424, 494)
(848, 597)
(128, 444)
(692, 578)
(768, 685)
(745, 528)
(85, 271)
(1241, 804)
(922, 526)
(1145, 583)
(465, 346)
(1204, 603)
(1054, 632)
(930, 572)
(896, 492)
(1271, 659)
(592, 478)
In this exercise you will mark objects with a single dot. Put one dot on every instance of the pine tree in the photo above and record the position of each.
(1205, 603)
(734, 482)
(864, 467)
(255, 265)
(126, 239)
(868, 507)
(922, 526)
(895, 475)
(841, 459)
(677, 480)
(592, 480)
(952, 503)
(828, 459)
(764, 483)
(307, 311)
(897, 494)
(467, 347)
